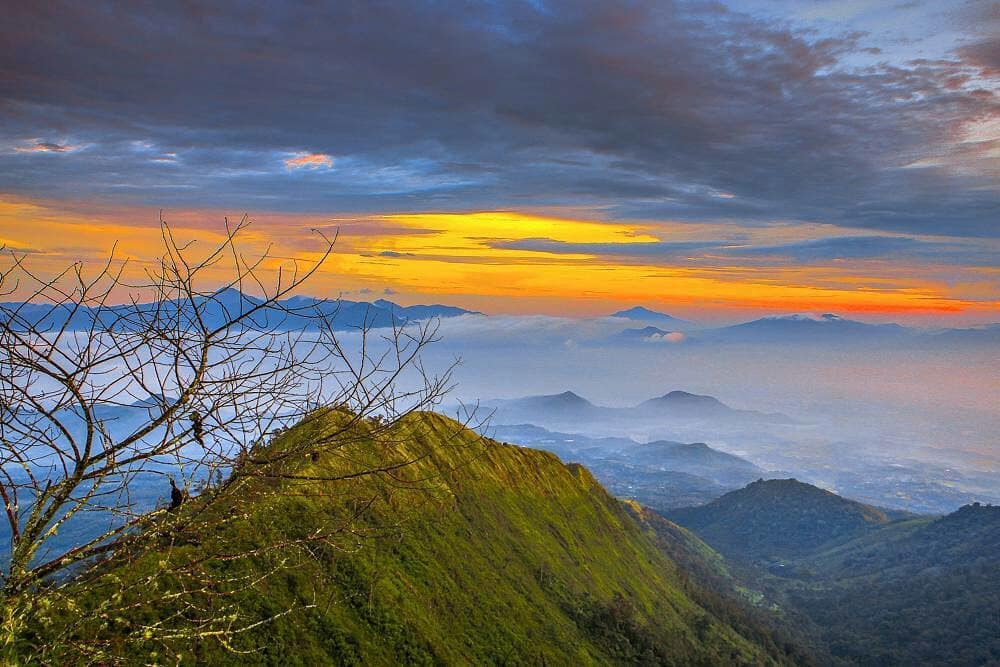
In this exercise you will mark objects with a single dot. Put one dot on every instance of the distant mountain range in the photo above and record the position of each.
(660, 474)
(687, 406)
(696, 458)
(571, 408)
(987, 334)
(834, 329)
(298, 312)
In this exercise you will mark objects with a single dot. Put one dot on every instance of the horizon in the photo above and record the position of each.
(718, 161)
(714, 320)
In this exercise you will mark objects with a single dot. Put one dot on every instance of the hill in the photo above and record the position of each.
(697, 458)
(855, 586)
(778, 518)
(988, 334)
(649, 334)
(922, 591)
(685, 405)
(475, 552)
(564, 408)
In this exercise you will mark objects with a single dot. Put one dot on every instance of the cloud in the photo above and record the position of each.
(655, 250)
(673, 337)
(648, 110)
(309, 161)
(814, 251)
(984, 54)
(877, 247)
(39, 146)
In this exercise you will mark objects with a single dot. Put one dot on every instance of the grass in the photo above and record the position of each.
(474, 553)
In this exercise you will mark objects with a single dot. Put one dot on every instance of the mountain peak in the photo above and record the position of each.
(687, 405)
(568, 398)
(565, 403)
(644, 314)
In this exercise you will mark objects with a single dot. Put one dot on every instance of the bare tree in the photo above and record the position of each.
(101, 402)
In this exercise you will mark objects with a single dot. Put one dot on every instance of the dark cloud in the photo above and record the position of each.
(650, 109)
(655, 250)
(985, 55)
(878, 247)
(817, 251)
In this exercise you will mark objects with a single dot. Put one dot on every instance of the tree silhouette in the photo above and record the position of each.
(212, 371)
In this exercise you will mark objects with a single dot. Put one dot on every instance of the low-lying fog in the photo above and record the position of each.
(858, 405)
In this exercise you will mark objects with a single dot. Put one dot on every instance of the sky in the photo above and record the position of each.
(716, 160)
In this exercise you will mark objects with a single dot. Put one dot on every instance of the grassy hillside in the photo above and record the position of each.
(475, 553)
(776, 519)
(854, 587)
(922, 591)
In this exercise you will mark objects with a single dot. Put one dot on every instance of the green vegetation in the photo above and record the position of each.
(778, 518)
(475, 553)
(855, 588)
(709, 580)
(918, 592)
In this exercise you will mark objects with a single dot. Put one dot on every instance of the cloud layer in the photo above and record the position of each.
(645, 110)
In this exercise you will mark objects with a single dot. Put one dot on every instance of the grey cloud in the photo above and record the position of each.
(805, 252)
(648, 109)
(876, 247)
(659, 250)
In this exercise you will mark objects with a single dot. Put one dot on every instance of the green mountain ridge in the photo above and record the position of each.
(858, 585)
(777, 518)
(924, 591)
(474, 553)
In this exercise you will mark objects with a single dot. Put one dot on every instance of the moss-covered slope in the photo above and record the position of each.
(474, 553)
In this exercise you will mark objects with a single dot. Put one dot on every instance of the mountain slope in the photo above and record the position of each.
(777, 518)
(475, 553)
(855, 587)
(923, 591)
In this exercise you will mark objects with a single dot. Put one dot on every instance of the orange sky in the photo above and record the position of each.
(453, 258)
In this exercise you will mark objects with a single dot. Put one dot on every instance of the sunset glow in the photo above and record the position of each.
(810, 173)
(486, 260)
